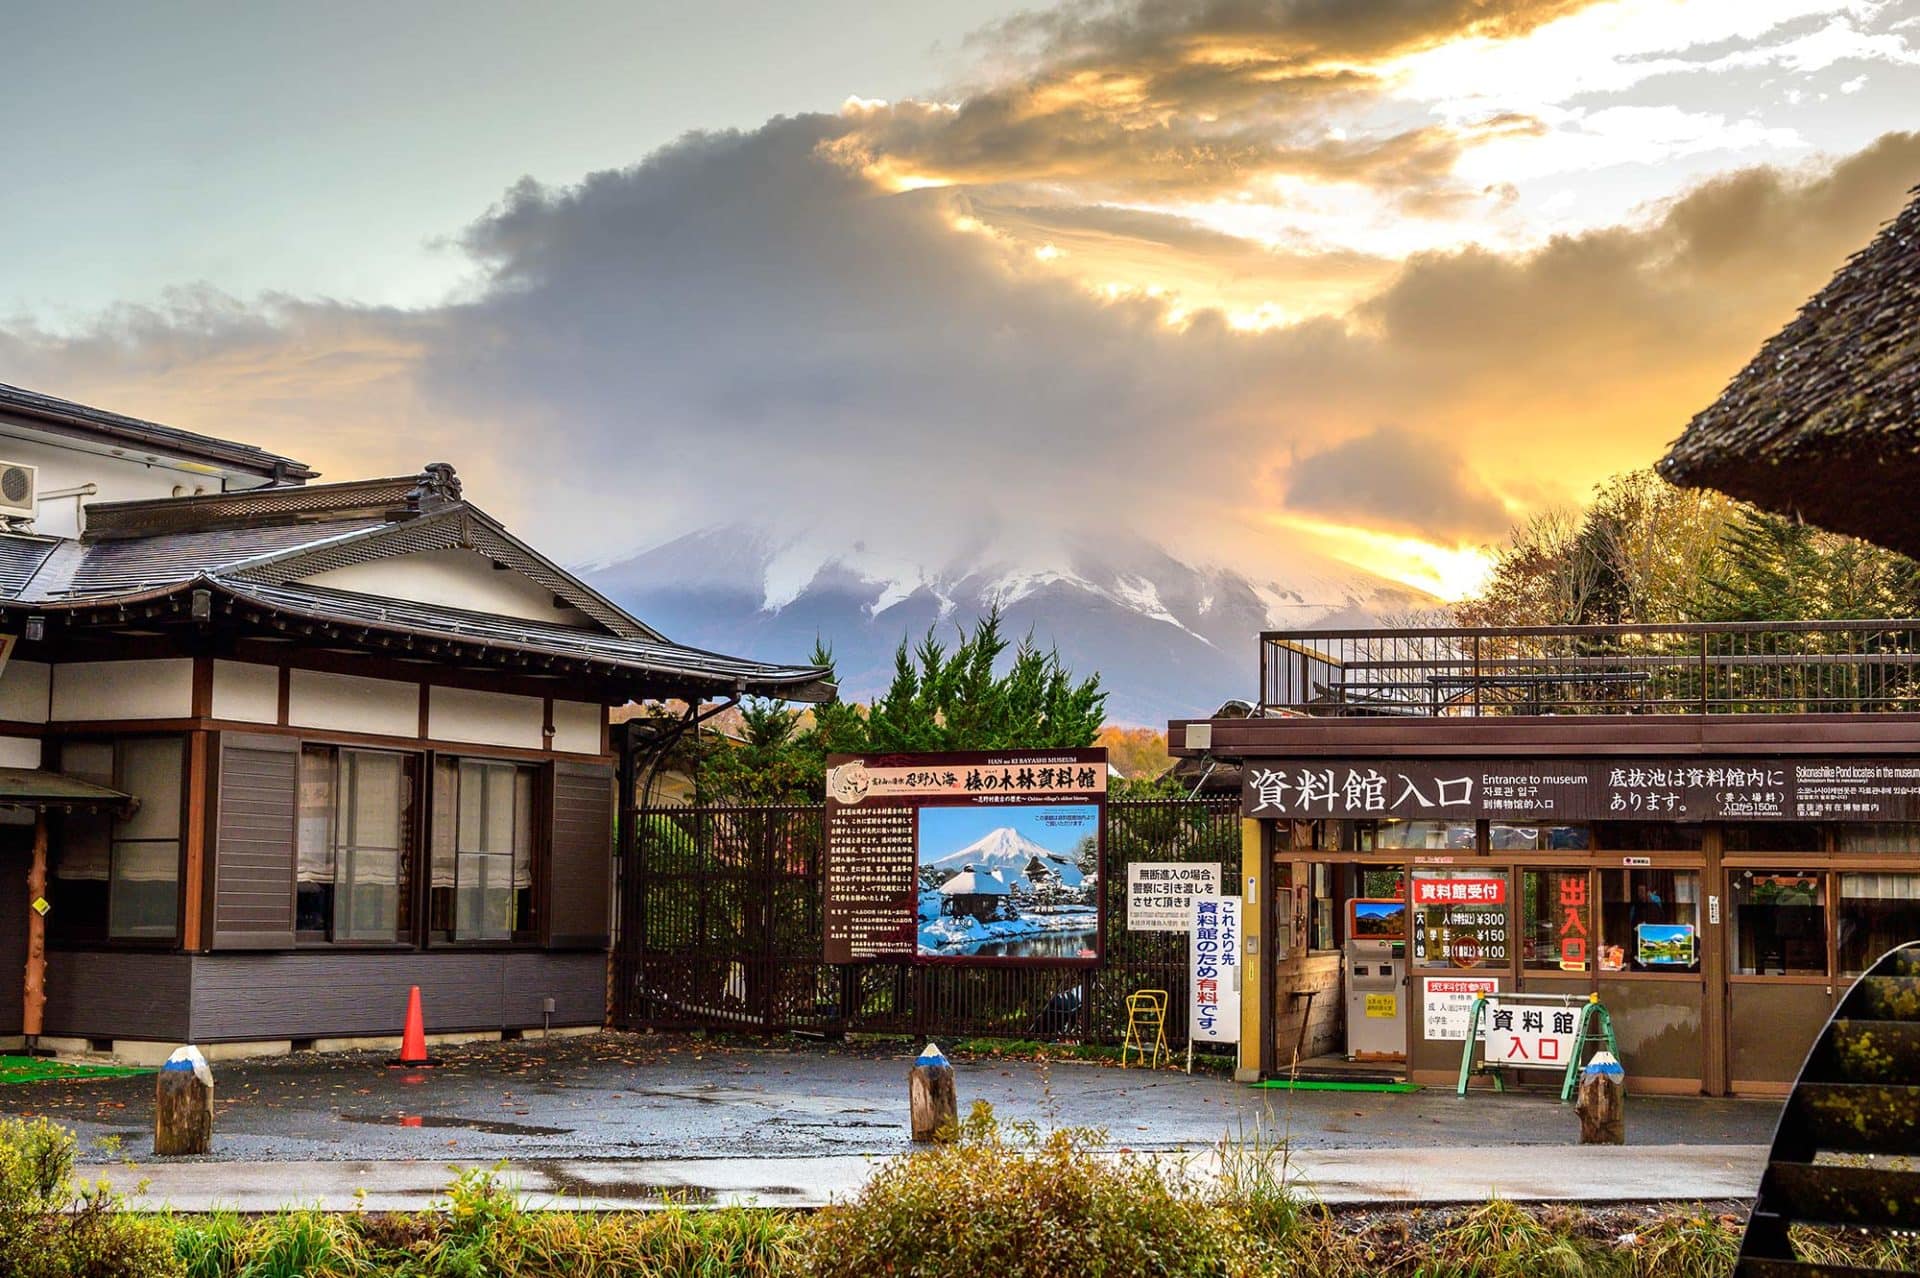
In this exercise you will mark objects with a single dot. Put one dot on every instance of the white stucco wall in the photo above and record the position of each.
(455, 579)
(127, 477)
(246, 692)
(148, 689)
(24, 688)
(19, 752)
(576, 726)
(488, 718)
(351, 703)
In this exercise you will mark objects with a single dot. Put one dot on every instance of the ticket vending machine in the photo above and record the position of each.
(1376, 979)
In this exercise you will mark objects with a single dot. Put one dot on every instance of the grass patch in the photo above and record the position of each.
(42, 1069)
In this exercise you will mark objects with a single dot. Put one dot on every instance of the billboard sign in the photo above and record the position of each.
(1581, 790)
(976, 857)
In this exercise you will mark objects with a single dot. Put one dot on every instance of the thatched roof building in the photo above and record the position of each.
(1824, 423)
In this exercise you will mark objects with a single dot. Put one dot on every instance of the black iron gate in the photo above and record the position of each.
(720, 929)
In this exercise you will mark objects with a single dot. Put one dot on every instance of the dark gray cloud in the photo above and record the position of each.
(744, 325)
(1394, 478)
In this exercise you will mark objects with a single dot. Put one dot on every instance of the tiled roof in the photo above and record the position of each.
(434, 621)
(20, 558)
(64, 413)
(113, 567)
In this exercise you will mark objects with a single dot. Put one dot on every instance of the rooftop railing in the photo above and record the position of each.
(1816, 667)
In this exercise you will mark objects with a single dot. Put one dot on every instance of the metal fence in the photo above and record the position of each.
(1815, 667)
(720, 928)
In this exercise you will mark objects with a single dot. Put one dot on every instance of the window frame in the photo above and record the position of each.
(540, 797)
(406, 931)
(102, 936)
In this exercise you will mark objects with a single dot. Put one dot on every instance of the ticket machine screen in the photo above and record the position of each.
(1376, 920)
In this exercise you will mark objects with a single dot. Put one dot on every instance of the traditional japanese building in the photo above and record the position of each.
(1711, 828)
(273, 751)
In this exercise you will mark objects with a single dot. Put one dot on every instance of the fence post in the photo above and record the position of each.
(1703, 672)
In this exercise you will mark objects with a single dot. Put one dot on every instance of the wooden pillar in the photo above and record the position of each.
(193, 877)
(1256, 960)
(34, 1011)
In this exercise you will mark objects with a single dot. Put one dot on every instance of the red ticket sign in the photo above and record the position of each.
(1460, 891)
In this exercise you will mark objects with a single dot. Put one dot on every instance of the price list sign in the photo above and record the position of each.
(976, 857)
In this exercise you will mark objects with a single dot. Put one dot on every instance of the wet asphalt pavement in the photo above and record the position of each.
(631, 1096)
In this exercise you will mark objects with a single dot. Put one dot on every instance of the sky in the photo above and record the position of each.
(1374, 279)
(1059, 827)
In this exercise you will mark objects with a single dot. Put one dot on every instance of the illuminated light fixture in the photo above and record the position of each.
(36, 629)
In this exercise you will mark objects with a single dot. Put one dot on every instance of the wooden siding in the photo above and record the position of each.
(342, 994)
(253, 861)
(117, 994)
(580, 860)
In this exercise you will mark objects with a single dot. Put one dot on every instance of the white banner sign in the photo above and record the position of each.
(1528, 1035)
(1214, 961)
(1446, 1004)
(1160, 894)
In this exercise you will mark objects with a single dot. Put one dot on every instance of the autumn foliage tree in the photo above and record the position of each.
(1646, 552)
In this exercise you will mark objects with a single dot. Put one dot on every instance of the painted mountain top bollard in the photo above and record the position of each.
(934, 1103)
(183, 1105)
(1602, 1102)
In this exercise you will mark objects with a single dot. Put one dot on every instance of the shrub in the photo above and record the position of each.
(1016, 1204)
(52, 1228)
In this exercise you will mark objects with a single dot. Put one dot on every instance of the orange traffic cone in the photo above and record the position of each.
(413, 1041)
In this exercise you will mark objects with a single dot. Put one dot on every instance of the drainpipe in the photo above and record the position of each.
(35, 1007)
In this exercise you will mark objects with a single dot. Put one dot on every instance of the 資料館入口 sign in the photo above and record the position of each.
(1578, 790)
(987, 856)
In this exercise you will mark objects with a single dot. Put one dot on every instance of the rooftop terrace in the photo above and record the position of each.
(1817, 667)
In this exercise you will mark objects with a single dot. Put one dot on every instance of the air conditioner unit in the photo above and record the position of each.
(19, 490)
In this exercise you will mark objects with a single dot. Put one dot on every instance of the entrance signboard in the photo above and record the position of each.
(982, 856)
(1529, 1036)
(1549, 790)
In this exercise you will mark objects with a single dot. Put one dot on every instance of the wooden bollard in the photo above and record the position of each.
(935, 1104)
(183, 1105)
(1601, 1102)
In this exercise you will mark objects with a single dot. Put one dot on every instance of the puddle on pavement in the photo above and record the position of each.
(492, 1127)
(568, 1183)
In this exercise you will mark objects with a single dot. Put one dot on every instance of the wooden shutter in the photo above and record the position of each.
(580, 856)
(253, 844)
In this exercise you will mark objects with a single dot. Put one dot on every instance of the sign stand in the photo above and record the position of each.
(1593, 1027)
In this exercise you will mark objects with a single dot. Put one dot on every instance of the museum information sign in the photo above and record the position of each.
(978, 857)
(1578, 790)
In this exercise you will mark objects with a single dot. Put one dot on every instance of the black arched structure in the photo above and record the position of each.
(1850, 1129)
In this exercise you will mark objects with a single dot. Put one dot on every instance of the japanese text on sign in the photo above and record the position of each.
(1446, 1004)
(1214, 960)
(1160, 894)
(1525, 1036)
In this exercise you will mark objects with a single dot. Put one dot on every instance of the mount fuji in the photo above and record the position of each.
(1004, 851)
(1169, 638)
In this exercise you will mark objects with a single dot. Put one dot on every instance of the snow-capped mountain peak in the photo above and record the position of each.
(1168, 637)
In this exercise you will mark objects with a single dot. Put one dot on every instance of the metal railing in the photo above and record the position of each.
(1814, 667)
